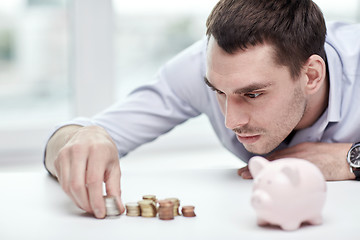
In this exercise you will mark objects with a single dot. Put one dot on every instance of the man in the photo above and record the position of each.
(264, 71)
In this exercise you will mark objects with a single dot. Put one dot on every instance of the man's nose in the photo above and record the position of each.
(235, 113)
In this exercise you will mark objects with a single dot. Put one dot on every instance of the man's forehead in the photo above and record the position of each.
(253, 64)
(264, 51)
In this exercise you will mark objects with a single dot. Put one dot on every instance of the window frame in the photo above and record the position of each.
(91, 75)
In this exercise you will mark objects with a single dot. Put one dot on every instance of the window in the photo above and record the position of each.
(34, 85)
(52, 55)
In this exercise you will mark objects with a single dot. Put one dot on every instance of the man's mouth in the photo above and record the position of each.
(248, 139)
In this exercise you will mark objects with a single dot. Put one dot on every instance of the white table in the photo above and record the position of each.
(34, 207)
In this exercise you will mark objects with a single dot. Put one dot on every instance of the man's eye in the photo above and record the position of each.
(219, 92)
(252, 95)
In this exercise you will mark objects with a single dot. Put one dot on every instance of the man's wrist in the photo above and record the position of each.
(55, 143)
(352, 158)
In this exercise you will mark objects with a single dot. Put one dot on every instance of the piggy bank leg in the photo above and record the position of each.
(290, 226)
(262, 222)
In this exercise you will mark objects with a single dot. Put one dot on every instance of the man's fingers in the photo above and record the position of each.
(243, 169)
(70, 178)
(94, 181)
(112, 183)
(96, 198)
(78, 188)
(62, 169)
(245, 173)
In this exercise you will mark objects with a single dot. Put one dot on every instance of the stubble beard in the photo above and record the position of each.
(285, 125)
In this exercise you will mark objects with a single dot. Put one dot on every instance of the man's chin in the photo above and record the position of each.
(258, 149)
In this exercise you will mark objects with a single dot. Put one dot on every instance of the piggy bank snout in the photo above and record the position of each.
(260, 199)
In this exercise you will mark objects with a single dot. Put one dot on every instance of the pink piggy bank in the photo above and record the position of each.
(287, 192)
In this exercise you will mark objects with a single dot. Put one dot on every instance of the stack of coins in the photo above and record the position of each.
(111, 206)
(132, 209)
(176, 203)
(147, 208)
(188, 211)
(166, 210)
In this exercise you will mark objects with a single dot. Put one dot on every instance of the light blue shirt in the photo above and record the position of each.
(179, 93)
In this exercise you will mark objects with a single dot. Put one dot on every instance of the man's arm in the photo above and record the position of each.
(82, 158)
(330, 158)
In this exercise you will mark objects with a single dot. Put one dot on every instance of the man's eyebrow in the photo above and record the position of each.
(250, 88)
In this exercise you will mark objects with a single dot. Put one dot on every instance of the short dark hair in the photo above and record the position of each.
(295, 28)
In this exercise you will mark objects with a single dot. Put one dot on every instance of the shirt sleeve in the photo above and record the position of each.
(177, 94)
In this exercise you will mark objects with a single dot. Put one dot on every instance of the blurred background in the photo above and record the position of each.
(65, 58)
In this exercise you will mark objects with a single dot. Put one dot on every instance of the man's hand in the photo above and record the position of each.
(82, 158)
(330, 158)
(244, 172)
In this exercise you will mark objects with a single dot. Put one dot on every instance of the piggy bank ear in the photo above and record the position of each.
(256, 165)
(292, 174)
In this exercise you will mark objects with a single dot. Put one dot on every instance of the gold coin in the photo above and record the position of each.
(150, 197)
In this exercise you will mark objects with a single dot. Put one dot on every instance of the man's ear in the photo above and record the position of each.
(315, 70)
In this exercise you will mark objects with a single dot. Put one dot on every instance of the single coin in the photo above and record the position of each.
(150, 197)
(165, 203)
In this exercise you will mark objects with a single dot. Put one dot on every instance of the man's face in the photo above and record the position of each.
(261, 103)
